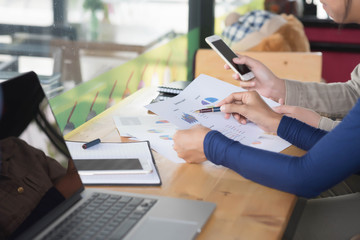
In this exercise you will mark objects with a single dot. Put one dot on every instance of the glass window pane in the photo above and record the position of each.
(94, 53)
(25, 12)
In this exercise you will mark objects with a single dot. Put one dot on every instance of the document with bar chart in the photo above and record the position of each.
(206, 91)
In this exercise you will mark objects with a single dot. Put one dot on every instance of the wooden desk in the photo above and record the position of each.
(245, 210)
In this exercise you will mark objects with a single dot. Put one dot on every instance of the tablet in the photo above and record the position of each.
(112, 166)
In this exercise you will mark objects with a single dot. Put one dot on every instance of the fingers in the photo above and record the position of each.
(242, 60)
(232, 98)
(236, 76)
(227, 115)
(247, 84)
(239, 98)
(241, 119)
(281, 101)
(237, 110)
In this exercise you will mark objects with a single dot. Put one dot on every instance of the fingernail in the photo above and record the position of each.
(222, 108)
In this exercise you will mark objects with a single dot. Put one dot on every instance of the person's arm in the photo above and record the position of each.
(334, 157)
(327, 124)
(249, 105)
(298, 133)
(330, 99)
(307, 116)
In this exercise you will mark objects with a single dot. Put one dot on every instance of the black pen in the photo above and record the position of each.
(91, 143)
(210, 109)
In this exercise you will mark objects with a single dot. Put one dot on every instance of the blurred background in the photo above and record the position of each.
(90, 54)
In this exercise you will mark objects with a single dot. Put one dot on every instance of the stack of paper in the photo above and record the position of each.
(206, 91)
(179, 112)
(156, 130)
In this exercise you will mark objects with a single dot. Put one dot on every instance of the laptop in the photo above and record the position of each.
(63, 209)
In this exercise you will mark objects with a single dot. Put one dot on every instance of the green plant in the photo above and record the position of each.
(93, 5)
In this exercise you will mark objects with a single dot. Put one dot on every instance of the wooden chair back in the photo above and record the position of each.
(302, 66)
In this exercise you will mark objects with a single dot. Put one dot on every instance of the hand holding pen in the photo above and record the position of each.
(250, 106)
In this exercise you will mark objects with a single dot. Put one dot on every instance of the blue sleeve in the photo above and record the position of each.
(298, 133)
(331, 159)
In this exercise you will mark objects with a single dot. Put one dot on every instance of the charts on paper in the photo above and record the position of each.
(206, 91)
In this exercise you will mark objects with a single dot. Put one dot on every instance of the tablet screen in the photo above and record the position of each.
(108, 164)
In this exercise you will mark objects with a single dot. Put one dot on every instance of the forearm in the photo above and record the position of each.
(298, 133)
(333, 157)
(305, 176)
(274, 170)
(332, 100)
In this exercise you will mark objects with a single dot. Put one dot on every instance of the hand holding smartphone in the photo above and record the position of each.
(220, 47)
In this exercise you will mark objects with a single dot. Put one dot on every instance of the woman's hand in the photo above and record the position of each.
(265, 82)
(189, 144)
(249, 105)
(305, 115)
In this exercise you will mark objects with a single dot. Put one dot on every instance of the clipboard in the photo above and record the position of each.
(115, 150)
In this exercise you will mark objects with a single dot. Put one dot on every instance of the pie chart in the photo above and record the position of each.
(208, 100)
(165, 137)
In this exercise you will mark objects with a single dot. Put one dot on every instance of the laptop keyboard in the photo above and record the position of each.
(102, 216)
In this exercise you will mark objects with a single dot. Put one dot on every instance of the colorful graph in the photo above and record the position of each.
(208, 101)
(162, 121)
(154, 131)
(188, 118)
(166, 137)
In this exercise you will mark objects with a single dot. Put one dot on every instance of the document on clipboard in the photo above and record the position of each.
(130, 163)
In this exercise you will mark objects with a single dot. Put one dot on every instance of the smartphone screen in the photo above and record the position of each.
(229, 55)
(108, 164)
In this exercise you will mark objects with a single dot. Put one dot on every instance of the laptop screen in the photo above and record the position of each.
(37, 174)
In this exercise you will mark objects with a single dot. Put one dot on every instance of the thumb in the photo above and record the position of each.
(248, 61)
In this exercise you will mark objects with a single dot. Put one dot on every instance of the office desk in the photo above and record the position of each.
(245, 210)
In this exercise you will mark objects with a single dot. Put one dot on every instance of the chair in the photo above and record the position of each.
(302, 66)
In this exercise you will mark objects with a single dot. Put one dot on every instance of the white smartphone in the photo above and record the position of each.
(225, 52)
